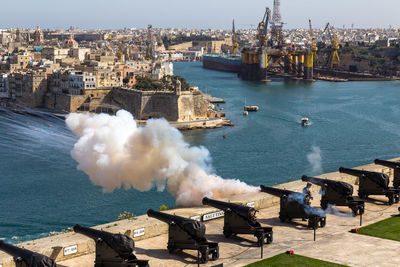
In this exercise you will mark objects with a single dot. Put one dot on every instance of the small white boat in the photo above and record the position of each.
(305, 121)
(249, 108)
(245, 113)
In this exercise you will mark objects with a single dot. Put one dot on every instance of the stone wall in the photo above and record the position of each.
(186, 106)
(72, 103)
(63, 102)
(182, 107)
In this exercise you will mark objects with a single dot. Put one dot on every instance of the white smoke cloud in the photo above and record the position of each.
(115, 152)
(315, 158)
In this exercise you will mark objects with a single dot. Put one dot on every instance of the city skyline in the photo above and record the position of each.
(118, 14)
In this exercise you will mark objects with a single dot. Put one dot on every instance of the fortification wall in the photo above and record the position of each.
(185, 106)
(72, 103)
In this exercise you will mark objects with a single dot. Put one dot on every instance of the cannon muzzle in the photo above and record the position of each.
(194, 228)
(242, 210)
(386, 163)
(121, 244)
(29, 257)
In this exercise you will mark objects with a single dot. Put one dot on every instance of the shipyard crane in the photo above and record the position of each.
(314, 47)
(334, 59)
(235, 44)
(262, 28)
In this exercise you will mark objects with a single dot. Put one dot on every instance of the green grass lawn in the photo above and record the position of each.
(388, 229)
(293, 260)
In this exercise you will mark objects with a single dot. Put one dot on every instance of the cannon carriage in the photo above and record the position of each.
(184, 233)
(112, 250)
(295, 205)
(240, 219)
(336, 193)
(373, 183)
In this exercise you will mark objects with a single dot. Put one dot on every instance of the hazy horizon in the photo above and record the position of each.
(207, 14)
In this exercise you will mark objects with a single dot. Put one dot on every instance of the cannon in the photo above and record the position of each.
(26, 258)
(240, 219)
(336, 193)
(395, 165)
(184, 233)
(373, 183)
(112, 250)
(296, 205)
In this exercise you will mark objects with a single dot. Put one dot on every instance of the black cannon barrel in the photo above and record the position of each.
(354, 172)
(276, 191)
(386, 163)
(314, 180)
(237, 208)
(121, 244)
(194, 228)
(29, 257)
(379, 178)
(167, 218)
(338, 186)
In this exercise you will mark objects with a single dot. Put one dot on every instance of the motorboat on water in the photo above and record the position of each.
(249, 108)
(305, 121)
(245, 112)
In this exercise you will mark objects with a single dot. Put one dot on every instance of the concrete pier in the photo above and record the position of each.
(334, 242)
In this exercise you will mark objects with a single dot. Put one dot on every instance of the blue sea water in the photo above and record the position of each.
(352, 124)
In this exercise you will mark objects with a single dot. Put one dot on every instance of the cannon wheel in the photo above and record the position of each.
(268, 240)
(284, 219)
(362, 195)
(396, 199)
(227, 234)
(143, 264)
(171, 249)
(312, 223)
(355, 211)
(322, 222)
(204, 255)
(215, 254)
(324, 205)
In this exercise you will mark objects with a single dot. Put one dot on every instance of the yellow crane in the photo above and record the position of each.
(334, 59)
(262, 28)
(235, 44)
(314, 47)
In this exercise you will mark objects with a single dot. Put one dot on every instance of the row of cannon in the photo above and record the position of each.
(116, 250)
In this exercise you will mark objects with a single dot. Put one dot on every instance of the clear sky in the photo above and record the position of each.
(115, 14)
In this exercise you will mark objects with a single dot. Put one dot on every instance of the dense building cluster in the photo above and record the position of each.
(53, 70)
(47, 68)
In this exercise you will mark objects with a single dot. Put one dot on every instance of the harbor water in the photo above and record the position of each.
(351, 124)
